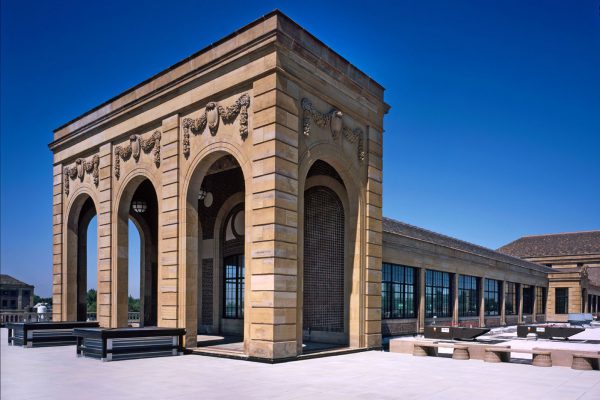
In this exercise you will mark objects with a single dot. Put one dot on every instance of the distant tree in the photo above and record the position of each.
(134, 304)
(91, 300)
(37, 299)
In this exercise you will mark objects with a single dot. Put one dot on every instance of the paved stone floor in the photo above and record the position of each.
(56, 373)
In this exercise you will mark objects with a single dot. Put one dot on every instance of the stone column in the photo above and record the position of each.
(57, 243)
(421, 312)
(270, 329)
(584, 301)
(503, 304)
(104, 293)
(19, 299)
(482, 302)
(534, 304)
(174, 283)
(520, 310)
(455, 299)
(374, 250)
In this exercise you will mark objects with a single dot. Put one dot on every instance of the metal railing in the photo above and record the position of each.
(132, 316)
(27, 316)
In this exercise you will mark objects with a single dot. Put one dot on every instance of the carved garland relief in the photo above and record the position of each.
(81, 167)
(212, 115)
(136, 144)
(334, 119)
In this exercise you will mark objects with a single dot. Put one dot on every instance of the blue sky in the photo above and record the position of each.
(494, 130)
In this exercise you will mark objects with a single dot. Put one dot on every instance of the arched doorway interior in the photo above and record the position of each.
(139, 204)
(82, 212)
(325, 295)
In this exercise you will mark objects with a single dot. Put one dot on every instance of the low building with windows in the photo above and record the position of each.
(574, 282)
(429, 277)
(14, 294)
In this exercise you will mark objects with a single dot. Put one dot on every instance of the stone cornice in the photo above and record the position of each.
(273, 27)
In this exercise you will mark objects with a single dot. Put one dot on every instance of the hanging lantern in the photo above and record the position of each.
(139, 206)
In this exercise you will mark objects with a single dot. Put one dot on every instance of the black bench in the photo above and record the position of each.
(29, 334)
(109, 344)
(453, 332)
(548, 331)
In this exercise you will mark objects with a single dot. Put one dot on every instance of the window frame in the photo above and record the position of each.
(492, 293)
(238, 283)
(561, 300)
(438, 294)
(398, 286)
(511, 298)
(468, 296)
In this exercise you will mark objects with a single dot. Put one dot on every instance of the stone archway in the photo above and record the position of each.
(81, 211)
(139, 203)
(325, 276)
(221, 174)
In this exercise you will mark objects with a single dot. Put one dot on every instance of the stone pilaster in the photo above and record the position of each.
(273, 197)
(503, 305)
(57, 243)
(482, 301)
(20, 299)
(104, 294)
(171, 280)
(421, 310)
(534, 305)
(373, 228)
(455, 281)
(520, 310)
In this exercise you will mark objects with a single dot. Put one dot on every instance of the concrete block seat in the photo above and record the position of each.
(30, 334)
(421, 349)
(585, 361)
(496, 354)
(109, 344)
(548, 331)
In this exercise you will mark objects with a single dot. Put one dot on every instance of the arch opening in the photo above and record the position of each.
(216, 247)
(325, 276)
(79, 236)
(138, 221)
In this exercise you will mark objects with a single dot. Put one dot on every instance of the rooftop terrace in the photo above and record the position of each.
(56, 373)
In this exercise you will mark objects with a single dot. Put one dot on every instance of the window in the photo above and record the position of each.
(528, 299)
(234, 287)
(4, 303)
(468, 296)
(492, 297)
(511, 301)
(398, 291)
(561, 297)
(540, 299)
(437, 294)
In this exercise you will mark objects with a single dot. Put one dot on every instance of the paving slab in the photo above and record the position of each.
(56, 373)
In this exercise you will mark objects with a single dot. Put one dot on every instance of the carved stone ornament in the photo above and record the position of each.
(136, 145)
(79, 169)
(334, 119)
(212, 115)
